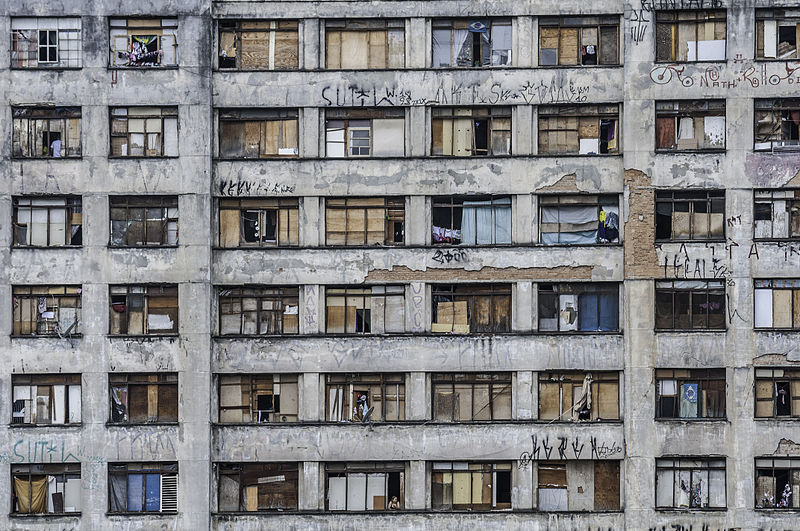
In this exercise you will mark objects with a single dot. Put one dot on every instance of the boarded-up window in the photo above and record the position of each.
(471, 43)
(777, 214)
(46, 489)
(697, 125)
(46, 311)
(365, 221)
(143, 487)
(144, 132)
(258, 398)
(143, 310)
(47, 222)
(137, 398)
(463, 486)
(41, 399)
(777, 393)
(46, 42)
(258, 311)
(690, 36)
(46, 132)
(777, 33)
(777, 124)
(364, 44)
(578, 486)
(471, 220)
(372, 310)
(258, 45)
(777, 483)
(143, 43)
(578, 307)
(368, 486)
(777, 304)
(365, 397)
(690, 305)
(364, 133)
(471, 308)
(579, 130)
(144, 221)
(258, 222)
(690, 483)
(578, 219)
(257, 133)
(467, 397)
(690, 393)
(579, 40)
(573, 396)
(471, 131)
(254, 487)
(690, 215)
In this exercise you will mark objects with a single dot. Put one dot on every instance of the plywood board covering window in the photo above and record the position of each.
(258, 311)
(258, 45)
(471, 308)
(469, 486)
(468, 397)
(777, 392)
(258, 133)
(582, 41)
(370, 310)
(365, 221)
(46, 311)
(258, 222)
(578, 486)
(571, 396)
(579, 130)
(143, 310)
(690, 36)
(471, 131)
(690, 215)
(777, 214)
(364, 44)
(143, 398)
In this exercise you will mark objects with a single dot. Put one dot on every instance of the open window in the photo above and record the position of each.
(143, 487)
(690, 305)
(258, 45)
(258, 398)
(690, 393)
(45, 399)
(578, 307)
(46, 132)
(777, 214)
(578, 219)
(777, 124)
(471, 220)
(695, 215)
(578, 396)
(46, 489)
(578, 486)
(367, 486)
(579, 130)
(469, 486)
(258, 311)
(471, 131)
(365, 397)
(354, 44)
(143, 43)
(469, 397)
(370, 310)
(144, 310)
(353, 133)
(144, 132)
(690, 483)
(47, 311)
(47, 221)
(690, 36)
(258, 222)
(471, 43)
(777, 304)
(471, 308)
(777, 483)
(46, 42)
(257, 133)
(143, 398)
(777, 34)
(365, 221)
(144, 221)
(697, 125)
(579, 41)
(777, 393)
(255, 487)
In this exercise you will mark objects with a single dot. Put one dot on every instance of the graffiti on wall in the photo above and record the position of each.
(563, 448)
(745, 74)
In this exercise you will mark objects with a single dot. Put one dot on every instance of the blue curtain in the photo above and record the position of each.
(609, 311)
(152, 498)
(587, 312)
(134, 492)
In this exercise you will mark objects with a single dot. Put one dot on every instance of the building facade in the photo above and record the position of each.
(400, 264)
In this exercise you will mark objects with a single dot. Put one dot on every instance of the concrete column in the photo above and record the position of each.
(523, 395)
(526, 35)
(418, 132)
(522, 491)
(417, 38)
(417, 397)
(310, 488)
(534, 395)
(416, 220)
(310, 406)
(416, 308)
(523, 134)
(310, 315)
(416, 486)
(522, 229)
(310, 221)
(310, 137)
(311, 44)
(523, 306)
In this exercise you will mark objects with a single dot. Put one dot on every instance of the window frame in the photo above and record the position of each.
(69, 48)
(261, 118)
(272, 470)
(72, 207)
(705, 463)
(559, 201)
(37, 380)
(777, 15)
(579, 22)
(702, 377)
(258, 382)
(364, 315)
(673, 19)
(790, 207)
(287, 296)
(780, 106)
(147, 380)
(351, 120)
(455, 202)
(461, 23)
(572, 465)
(793, 381)
(707, 290)
(367, 468)
(792, 468)
(712, 199)
(608, 113)
(792, 285)
(364, 25)
(36, 292)
(276, 27)
(165, 113)
(27, 117)
(346, 385)
(494, 116)
(142, 290)
(146, 468)
(482, 467)
(166, 26)
(65, 470)
(449, 381)
(694, 109)
(146, 203)
(570, 379)
(394, 211)
(578, 289)
(283, 207)
(452, 293)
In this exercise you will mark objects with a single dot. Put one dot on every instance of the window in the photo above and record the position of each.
(46, 42)
(471, 308)
(468, 43)
(471, 221)
(258, 223)
(257, 487)
(690, 393)
(144, 221)
(577, 396)
(143, 43)
(143, 398)
(462, 486)
(579, 130)
(777, 304)
(578, 307)
(471, 131)
(578, 219)
(578, 486)
(143, 487)
(690, 36)
(47, 310)
(365, 44)
(258, 311)
(365, 133)
(697, 125)
(690, 483)
(365, 397)
(777, 214)
(365, 221)
(777, 483)
(144, 132)
(258, 398)
(579, 40)
(777, 393)
(370, 310)
(48, 221)
(144, 310)
(690, 305)
(690, 215)
(777, 125)
(44, 399)
(258, 45)
(468, 397)
(46, 489)
(257, 133)
(46, 132)
(777, 32)
(367, 486)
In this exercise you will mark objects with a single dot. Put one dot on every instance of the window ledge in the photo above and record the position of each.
(45, 515)
(782, 330)
(687, 421)
(143, 247)
(695, 510)
(690, 151)
(776, 240)
(714, 61)
(139, 424)
(48, 336)
(525, 333)
(146, 514)
(35, 426)
(690, 331)
(23, 159)
(46, 68)
(142, 157)
(139, 337)
(776, 419)
(681, 242)
(571, 155)
(777, 510)
(44, 247)
(144, 68)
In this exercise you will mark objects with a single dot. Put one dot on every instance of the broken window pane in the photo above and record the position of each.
(371, 310)
(46, 311)
(365, 397)
(364, 44)
(144, 132)
(471, 131)
(46, 42)
(777, 393)
(777, 124)
(143, 398)
(369, 486)
(578, 41)
(690, 393)
(142, 487)
(470, 486)
(578, 219)
(471, 308)
(257, 133)
(777, 483)
(144, 221)
(690, 305)
(46, 132)
(471, 221)
(258, 311)
(690, 36)
(47, 222)
(574, 396)
(471, 43)
(258, 45)
(143, 310)
(143, 43)
(258, 223)
(694, 483)
(43, 399)
(365, 221)
(364, 133)
(578, 486)
(46, 489)
(777, 214)
(250, 487)
(468, 397)
(579, 130)
(697, 125)
(578, 307)
(690, 215)
(777, 31)
(258, 399)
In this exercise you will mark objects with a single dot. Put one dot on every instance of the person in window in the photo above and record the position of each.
(394, 504)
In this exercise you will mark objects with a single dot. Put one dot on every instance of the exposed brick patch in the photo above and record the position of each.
(794, 181)
(403, 274)
(567, 183)
(641, 260)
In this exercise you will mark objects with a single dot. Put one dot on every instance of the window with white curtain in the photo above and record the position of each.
(471, 221)
(578, 219)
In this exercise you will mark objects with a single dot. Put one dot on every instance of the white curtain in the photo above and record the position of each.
(486, 222)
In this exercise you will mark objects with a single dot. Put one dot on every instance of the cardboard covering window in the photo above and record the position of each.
(690, 36)
(359, 50)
